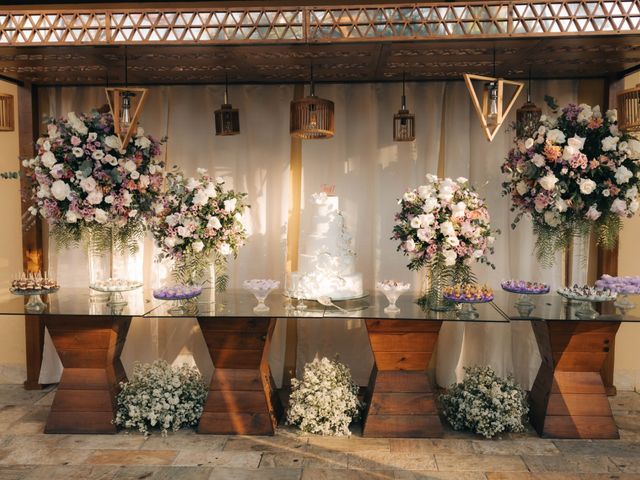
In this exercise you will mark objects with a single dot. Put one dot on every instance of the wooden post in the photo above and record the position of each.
(33, 252)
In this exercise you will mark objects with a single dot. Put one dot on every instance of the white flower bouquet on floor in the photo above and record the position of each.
(161, 396)
(485, 403)
(325, 401)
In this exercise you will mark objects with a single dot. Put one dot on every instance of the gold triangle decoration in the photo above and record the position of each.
(114, 98)
(490, 131)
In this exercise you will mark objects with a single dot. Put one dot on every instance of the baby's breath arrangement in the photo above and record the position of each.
(485, 403)
(159, 395)
(325, 401)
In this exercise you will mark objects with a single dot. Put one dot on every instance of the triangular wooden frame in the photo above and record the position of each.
(490, 132)
(113, 98)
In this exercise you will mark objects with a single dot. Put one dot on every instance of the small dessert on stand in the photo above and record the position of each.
(467, 295)
(179, 295)
(115, 288)
(587, 296)
(392, 289)
(261, 287)
(33, 285)
(623, 286)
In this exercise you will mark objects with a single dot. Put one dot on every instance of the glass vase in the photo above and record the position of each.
(100, 263)
(435, 282)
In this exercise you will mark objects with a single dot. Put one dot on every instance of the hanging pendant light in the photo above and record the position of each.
(227, 118)
(125, 105)
(528, 116)
(312, 117)
(404, 122)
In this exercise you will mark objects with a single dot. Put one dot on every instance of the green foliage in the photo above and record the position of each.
(441, 276)
(98, 238)
(190, 269)
(551, 103)
(9, 175)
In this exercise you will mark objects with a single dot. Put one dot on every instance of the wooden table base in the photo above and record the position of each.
(242, 395)
(568, 398)
(90, 353)
(400, 399)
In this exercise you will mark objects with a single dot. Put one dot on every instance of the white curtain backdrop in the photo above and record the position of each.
(370, 172)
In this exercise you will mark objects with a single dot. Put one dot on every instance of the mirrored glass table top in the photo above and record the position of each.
(553, 307)
(79, 301)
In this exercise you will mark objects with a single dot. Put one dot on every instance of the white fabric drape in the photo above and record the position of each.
(370, 173)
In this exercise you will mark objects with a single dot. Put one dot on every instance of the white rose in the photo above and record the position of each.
(219, 180)
(619, 206)
(425, 234)
(538, 160)
(548, 182)
(632, 193)
(586, 113)
(71, 216)
(192, 184)
(462, 180)
(429, 204)
(447, 229)
(135, 175)
(214, 222)
(77, 124)
(449, 257)
(551, 218)
(593, 213)
(623, 174)
(225, 248)
(48, 159)
(587, 186)
(60, 190)
(113, 142)
(612, 115)
(426, 220)
(172, 220)
(634, 149)
(170, 242)
(561, 205)
(528, 143)
(95, 197)
(200, 198)
(210, 190)
(97, 155)
(410, 245)
(100, 215)
(415, 222)
(77, 152)
(56, 171)
(410, 197)
(453, 241)
(425, 191)
(431, 178)
(111, 160)
(522, 187)
(130, 166)
(569, 152)
(109, 199)
(609, 143)
(458, 210)
(197, 246)
(43, 191)
(230, 205)
(556, 136)
(143, 142)
(52, 131)
(633, 206)
(88, 184)
(183, 231)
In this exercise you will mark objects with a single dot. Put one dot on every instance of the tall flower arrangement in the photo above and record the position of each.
(197, 223)
(85, 184)
(443, 226)
(577, 174)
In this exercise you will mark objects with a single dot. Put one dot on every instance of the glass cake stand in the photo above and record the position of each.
(585, 309)
(35, 303)
(115, 292)
(467, 309)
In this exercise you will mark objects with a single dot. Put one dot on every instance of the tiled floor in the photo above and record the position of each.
(26, 453)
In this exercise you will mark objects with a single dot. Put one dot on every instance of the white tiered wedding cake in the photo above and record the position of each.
(327, 265)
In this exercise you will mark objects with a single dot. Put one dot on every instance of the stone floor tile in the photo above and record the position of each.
(47, 399)
(282, 460)
(625, 402)
(570, 464)
(313, 458)
(480, 463)
(350, 444)
(627, 464)
(206, 457)
(99, 442)
(11, 413)
(535, 446)
(629, 422)
(132, 457)
(265, 444)
(391, 461)
(182, 440)
(36, 441)
(162, 473)
(615, 448)
(558, 476)
(15, 472)
(72, 472)
(25, 455)
(225, 473)
(333, 474)
(31, 423)
(425, 445)
(418, 475)
(17, 395)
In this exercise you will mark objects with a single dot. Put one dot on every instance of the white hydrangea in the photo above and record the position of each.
(325, 401)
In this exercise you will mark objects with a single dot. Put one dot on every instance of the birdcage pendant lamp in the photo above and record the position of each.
(528, 116)
(227, 118)
(312, 118)
(404, 122)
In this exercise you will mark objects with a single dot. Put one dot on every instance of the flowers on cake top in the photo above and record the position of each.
(443, 220)
(82, 178)
(523, 286)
